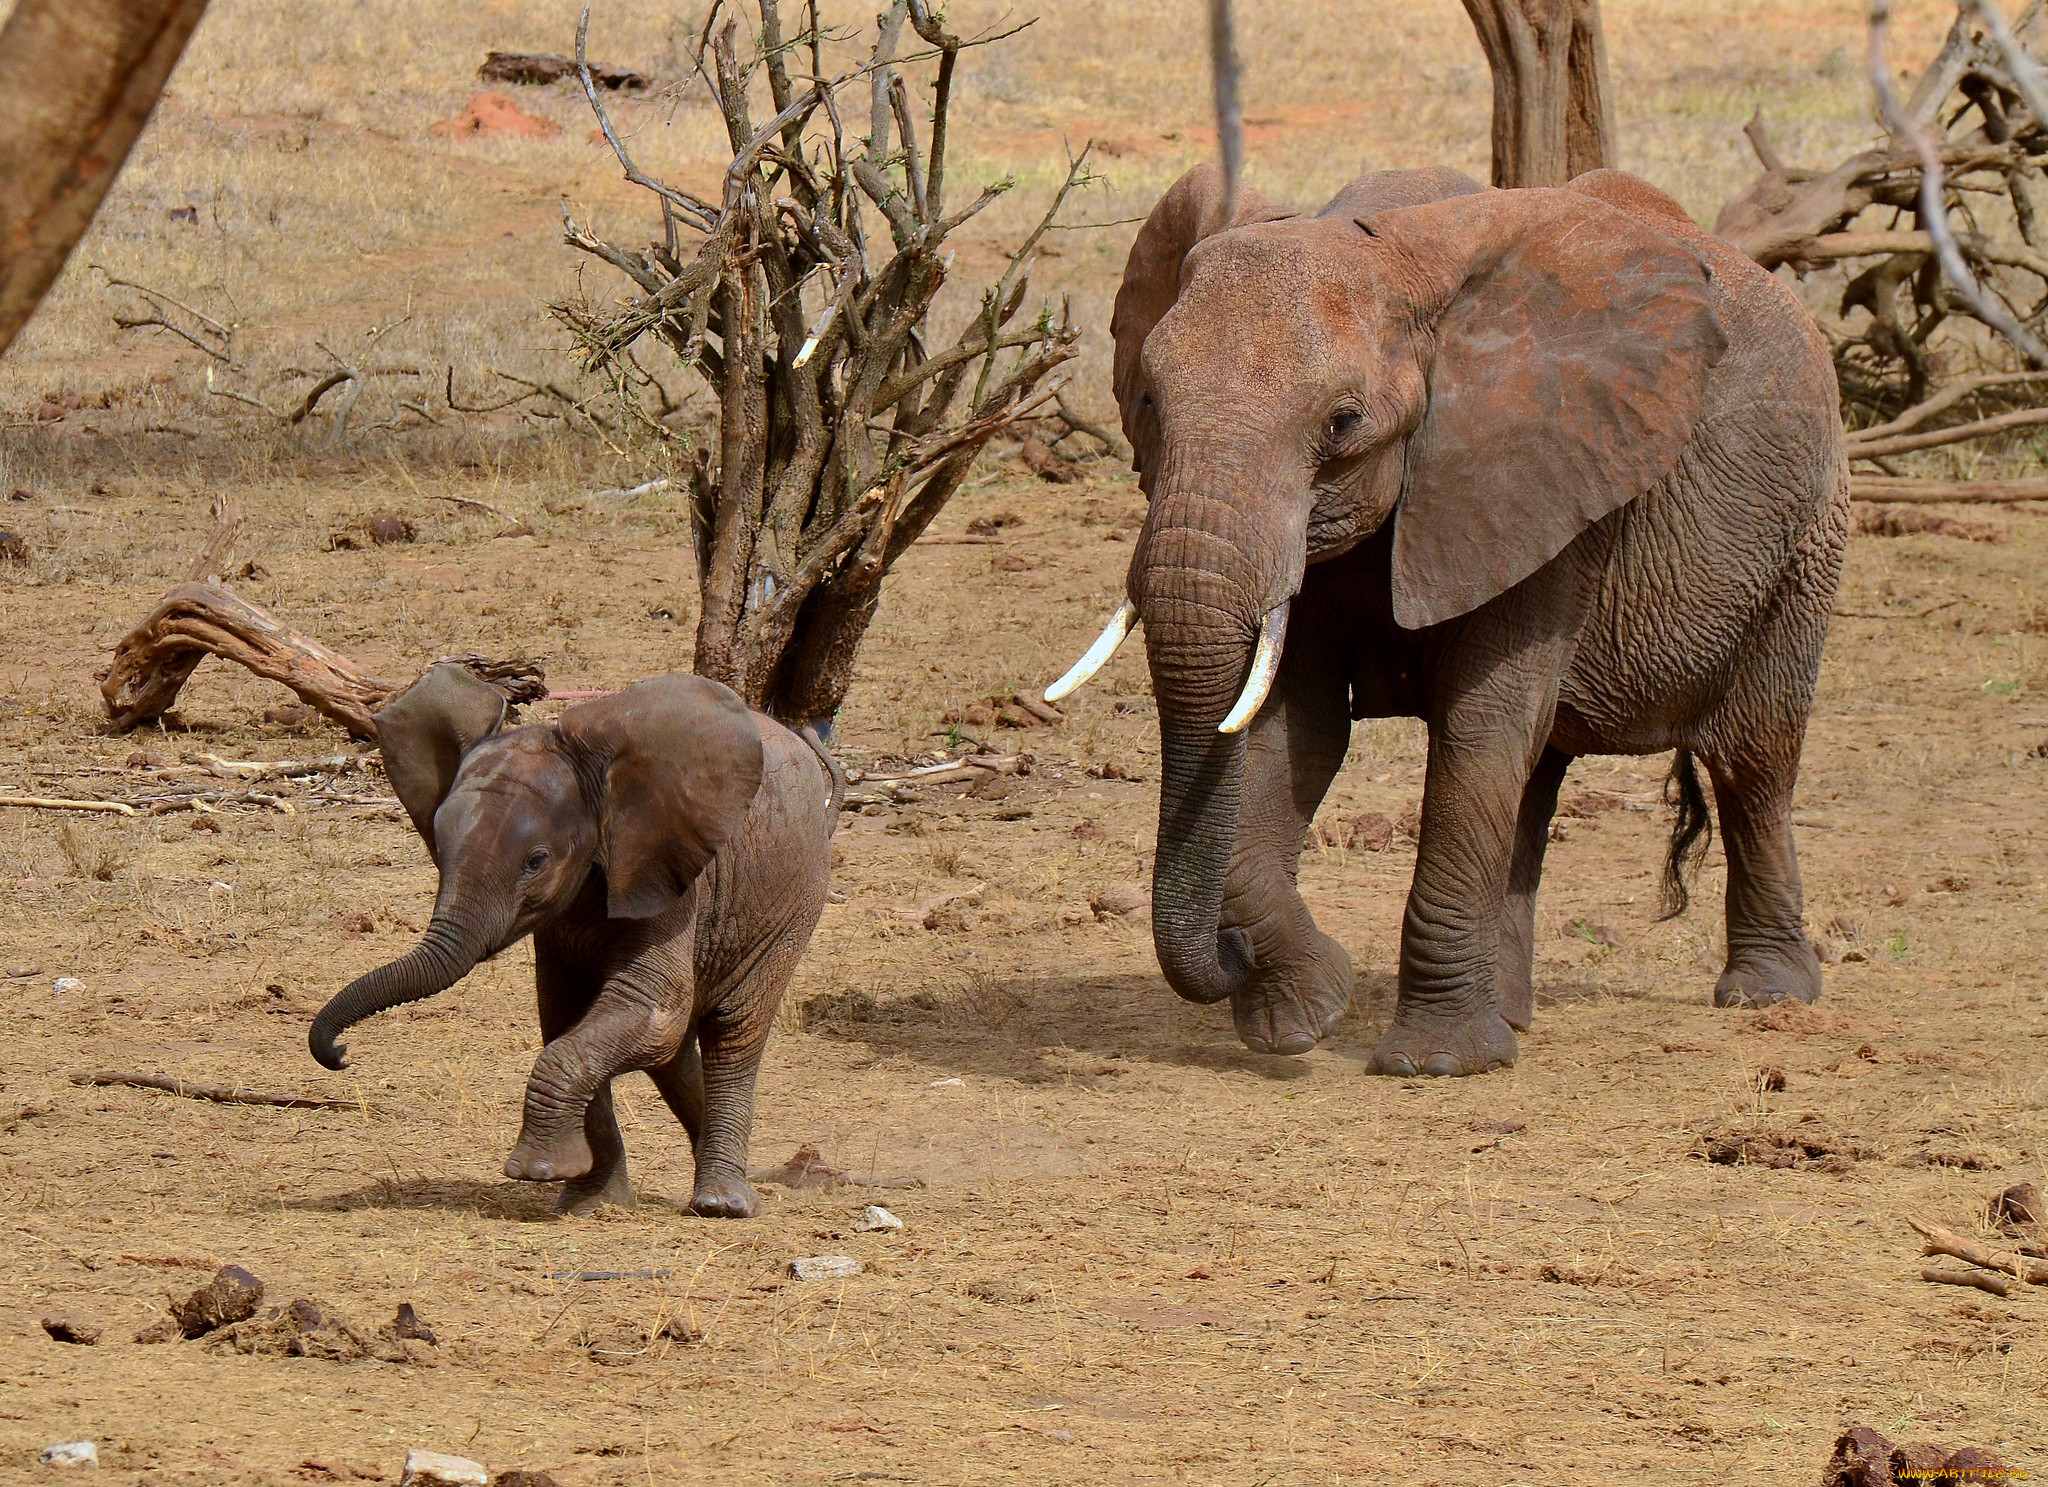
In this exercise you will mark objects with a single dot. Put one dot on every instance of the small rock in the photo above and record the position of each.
(520, 1477)
(231, 1296)
(49, 412)
(1842, 927)
(189, 215)
(1125, 898)
(1113, 771)
(825, 1267)
(947, 1084)
(874, 1219)
(1010, 562)
(432, 1469)
(994, 522)
(207, 824)
(1091, 830)
(973, 715)
(292, 715)
(141, 760)
(21, 493)
(14, 547)
(387, 529)
(1368, 831)
(66, 986)
(70, 1453)
(71, 1329)
(1064, 1437)
(1009, 715)
(2018, 1207)
(1770, 1079)
(1047, 464)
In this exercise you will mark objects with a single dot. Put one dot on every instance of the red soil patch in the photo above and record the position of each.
(496, 115)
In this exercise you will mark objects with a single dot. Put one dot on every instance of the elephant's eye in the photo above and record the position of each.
(1343, 424)
(536, 859)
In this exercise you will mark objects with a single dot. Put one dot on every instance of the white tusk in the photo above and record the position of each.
(1098, 654)
(1265, 666)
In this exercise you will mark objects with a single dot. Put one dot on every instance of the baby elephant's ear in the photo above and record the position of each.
(424, 733)
(680, 758)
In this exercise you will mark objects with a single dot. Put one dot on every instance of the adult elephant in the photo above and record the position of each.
(1553, 470)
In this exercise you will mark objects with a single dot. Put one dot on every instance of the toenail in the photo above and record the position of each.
(1443, 1065)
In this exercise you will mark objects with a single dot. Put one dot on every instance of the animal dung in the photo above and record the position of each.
(70, 1453)
(825, 1267)
(408, 1324)
(71, 1329)
(1770, 1079)
(387, 529)
(1368, 831)
(231, 1296)
(432, 1469)
(874, 1219)
(2020, 1206)
(1863, 1457)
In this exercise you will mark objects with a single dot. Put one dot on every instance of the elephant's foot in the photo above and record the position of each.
(1295, 1008)
(724, 1196)
(1478, 1045)
(1759, 977)
(590, 1192)
(564, 1159)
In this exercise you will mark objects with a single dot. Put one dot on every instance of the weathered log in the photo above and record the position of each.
(1907, 490)
(197, 620)
(535, 69)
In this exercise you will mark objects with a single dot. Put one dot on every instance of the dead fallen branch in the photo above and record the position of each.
(197, 620)
(219, 1093)
(213, 558)
(1941, 1241)
(1917, 614)
(1908, 490)
(1997, 1285)
(538, 69)
(45, 803)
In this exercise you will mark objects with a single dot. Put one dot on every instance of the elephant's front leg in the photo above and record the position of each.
(632, 1024)
(1492, 703)
(1301, 979)
(565, 994)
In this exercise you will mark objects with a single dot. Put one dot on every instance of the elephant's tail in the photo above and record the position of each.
(811, 733)
(1692, 832)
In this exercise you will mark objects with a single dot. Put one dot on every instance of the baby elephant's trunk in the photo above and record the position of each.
(439, 961)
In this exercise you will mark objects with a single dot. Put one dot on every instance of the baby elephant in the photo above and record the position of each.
(668, 849)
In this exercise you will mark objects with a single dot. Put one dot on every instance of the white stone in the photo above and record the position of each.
(71, 1453)
(825, 1267)
(432, 1469)
(66, 986)
(875, 1219)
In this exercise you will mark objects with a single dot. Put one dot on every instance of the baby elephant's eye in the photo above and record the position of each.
(536, 859)
(1344, 422)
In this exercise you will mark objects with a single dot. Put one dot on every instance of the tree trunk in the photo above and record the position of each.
(78, 79)
(1553, 110)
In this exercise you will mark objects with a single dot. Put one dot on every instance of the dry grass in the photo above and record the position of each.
(1140, 1254)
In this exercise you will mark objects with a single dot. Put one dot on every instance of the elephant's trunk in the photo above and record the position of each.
(443, 957)
(1204, 597)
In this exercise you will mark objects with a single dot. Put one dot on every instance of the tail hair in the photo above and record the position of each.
(1692, 832)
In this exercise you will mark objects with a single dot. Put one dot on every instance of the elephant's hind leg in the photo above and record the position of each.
(733, 1035)
(1770, 957)
(681, 1082)
(1515, 972)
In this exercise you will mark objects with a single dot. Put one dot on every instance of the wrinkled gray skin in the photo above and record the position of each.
(669, 851)
(1554, 471)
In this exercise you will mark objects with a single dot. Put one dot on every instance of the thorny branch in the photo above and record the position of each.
(840, 430)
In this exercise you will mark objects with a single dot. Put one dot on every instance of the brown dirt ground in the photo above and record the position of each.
(1137, 1252)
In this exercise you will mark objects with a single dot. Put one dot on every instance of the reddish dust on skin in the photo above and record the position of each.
(496, 116)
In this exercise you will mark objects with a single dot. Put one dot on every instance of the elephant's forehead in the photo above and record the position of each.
(517, 767)
(1300, 292)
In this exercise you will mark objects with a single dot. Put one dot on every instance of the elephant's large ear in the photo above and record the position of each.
(1191, 210)
(424, 733)
(1572, 346)
(681, 760)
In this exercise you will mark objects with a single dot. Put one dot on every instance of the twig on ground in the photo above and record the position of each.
(219, 1093)
(1941, 1241)
(1997, 1285)
(1918, 614)
(48, 803)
